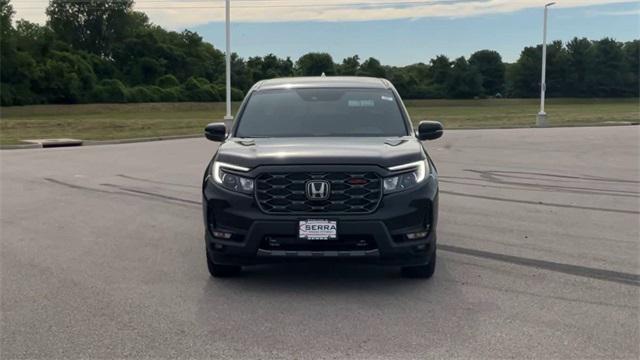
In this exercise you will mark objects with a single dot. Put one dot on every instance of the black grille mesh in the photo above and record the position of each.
(285, 192)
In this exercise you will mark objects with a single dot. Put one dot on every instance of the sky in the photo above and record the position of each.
(397, 32)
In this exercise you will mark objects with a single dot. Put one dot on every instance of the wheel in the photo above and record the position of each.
(219, 270)
(421, 271)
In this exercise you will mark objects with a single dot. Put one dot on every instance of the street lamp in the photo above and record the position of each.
(228, 118)
(541, 120)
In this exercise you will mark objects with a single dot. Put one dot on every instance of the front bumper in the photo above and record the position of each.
(378, 237)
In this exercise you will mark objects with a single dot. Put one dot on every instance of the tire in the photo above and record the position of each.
(421, 271)
(221, 271)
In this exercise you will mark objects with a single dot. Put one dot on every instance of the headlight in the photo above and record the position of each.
(231, 181)
(406, 180)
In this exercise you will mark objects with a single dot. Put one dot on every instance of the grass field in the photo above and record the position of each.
(123, 121)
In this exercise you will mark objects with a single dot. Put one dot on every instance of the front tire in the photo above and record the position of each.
(222, 271)
(421, 271)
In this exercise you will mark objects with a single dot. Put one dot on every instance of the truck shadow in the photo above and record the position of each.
(324, 277)
(335, 304)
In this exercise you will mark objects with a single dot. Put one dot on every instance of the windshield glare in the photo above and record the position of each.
(321, 112)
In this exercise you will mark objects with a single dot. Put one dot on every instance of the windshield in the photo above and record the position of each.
(321, 112)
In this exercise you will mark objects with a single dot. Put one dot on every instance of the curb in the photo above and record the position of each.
(137, 140)
(105, 142)
(21, 146)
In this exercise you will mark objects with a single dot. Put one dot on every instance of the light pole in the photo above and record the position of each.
(541, 120)
(228, 118)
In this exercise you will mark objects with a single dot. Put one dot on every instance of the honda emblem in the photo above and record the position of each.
(318, 190)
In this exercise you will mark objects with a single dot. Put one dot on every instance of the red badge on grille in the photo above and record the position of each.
(358, 181)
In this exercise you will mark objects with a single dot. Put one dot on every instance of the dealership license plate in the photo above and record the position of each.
(318, 230)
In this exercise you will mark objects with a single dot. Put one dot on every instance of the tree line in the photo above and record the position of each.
(103, 51)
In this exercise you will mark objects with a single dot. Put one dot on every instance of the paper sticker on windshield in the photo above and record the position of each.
(387, 98)
(361, 103)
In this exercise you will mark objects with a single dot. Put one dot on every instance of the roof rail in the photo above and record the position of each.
(386, 83)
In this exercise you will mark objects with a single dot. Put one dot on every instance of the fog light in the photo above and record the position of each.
(272, 242)
(221, 235)
(418, 235)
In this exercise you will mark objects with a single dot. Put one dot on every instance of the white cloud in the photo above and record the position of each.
(185, 13)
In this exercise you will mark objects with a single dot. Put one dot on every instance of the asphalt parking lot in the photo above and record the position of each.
(102, 256)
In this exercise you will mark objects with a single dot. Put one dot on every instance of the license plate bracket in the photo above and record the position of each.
(317, 229)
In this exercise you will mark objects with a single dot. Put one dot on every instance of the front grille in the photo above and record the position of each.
(351, 192)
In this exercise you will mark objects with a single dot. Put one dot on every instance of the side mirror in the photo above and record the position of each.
(429, 130)
(215, 132)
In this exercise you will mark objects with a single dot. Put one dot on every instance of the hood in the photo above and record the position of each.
(385, 152)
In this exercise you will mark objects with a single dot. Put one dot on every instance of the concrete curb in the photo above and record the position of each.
(20, 146)
(106, 142)
(137, 140)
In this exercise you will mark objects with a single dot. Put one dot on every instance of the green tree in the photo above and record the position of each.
(272, 66)
(527, 71)
(110, 91)
(606, 78)
(349, 66)
(103, 68)
(7, 42)
(315, 64)
(580, 61)
(145, 70)
(7, 52)
(268, 67)
(17, 88)
(440, 70)
(240, 75)
(65, 78)
(403, 81)
(632, 78)
(419, 82)
(141, 94)
(254, 68)
(101, 50)
(371, 67)
(17, 67)
(37, 40)
(490, 66)
(91, 25)
(6, 16)
(464, 81)
(557, 69)
(167, 81)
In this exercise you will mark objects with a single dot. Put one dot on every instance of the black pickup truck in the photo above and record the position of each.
(321, 168)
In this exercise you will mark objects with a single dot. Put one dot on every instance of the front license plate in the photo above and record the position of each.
(318, 230)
